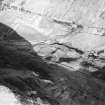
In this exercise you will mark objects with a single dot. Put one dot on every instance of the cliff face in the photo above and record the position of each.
(35, 81)
(52, 52)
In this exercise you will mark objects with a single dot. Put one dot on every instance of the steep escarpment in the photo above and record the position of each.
(35, 81)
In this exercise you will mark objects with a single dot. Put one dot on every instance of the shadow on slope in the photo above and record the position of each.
(29, 77)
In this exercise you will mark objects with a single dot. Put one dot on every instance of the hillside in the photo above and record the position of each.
(52, 52)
